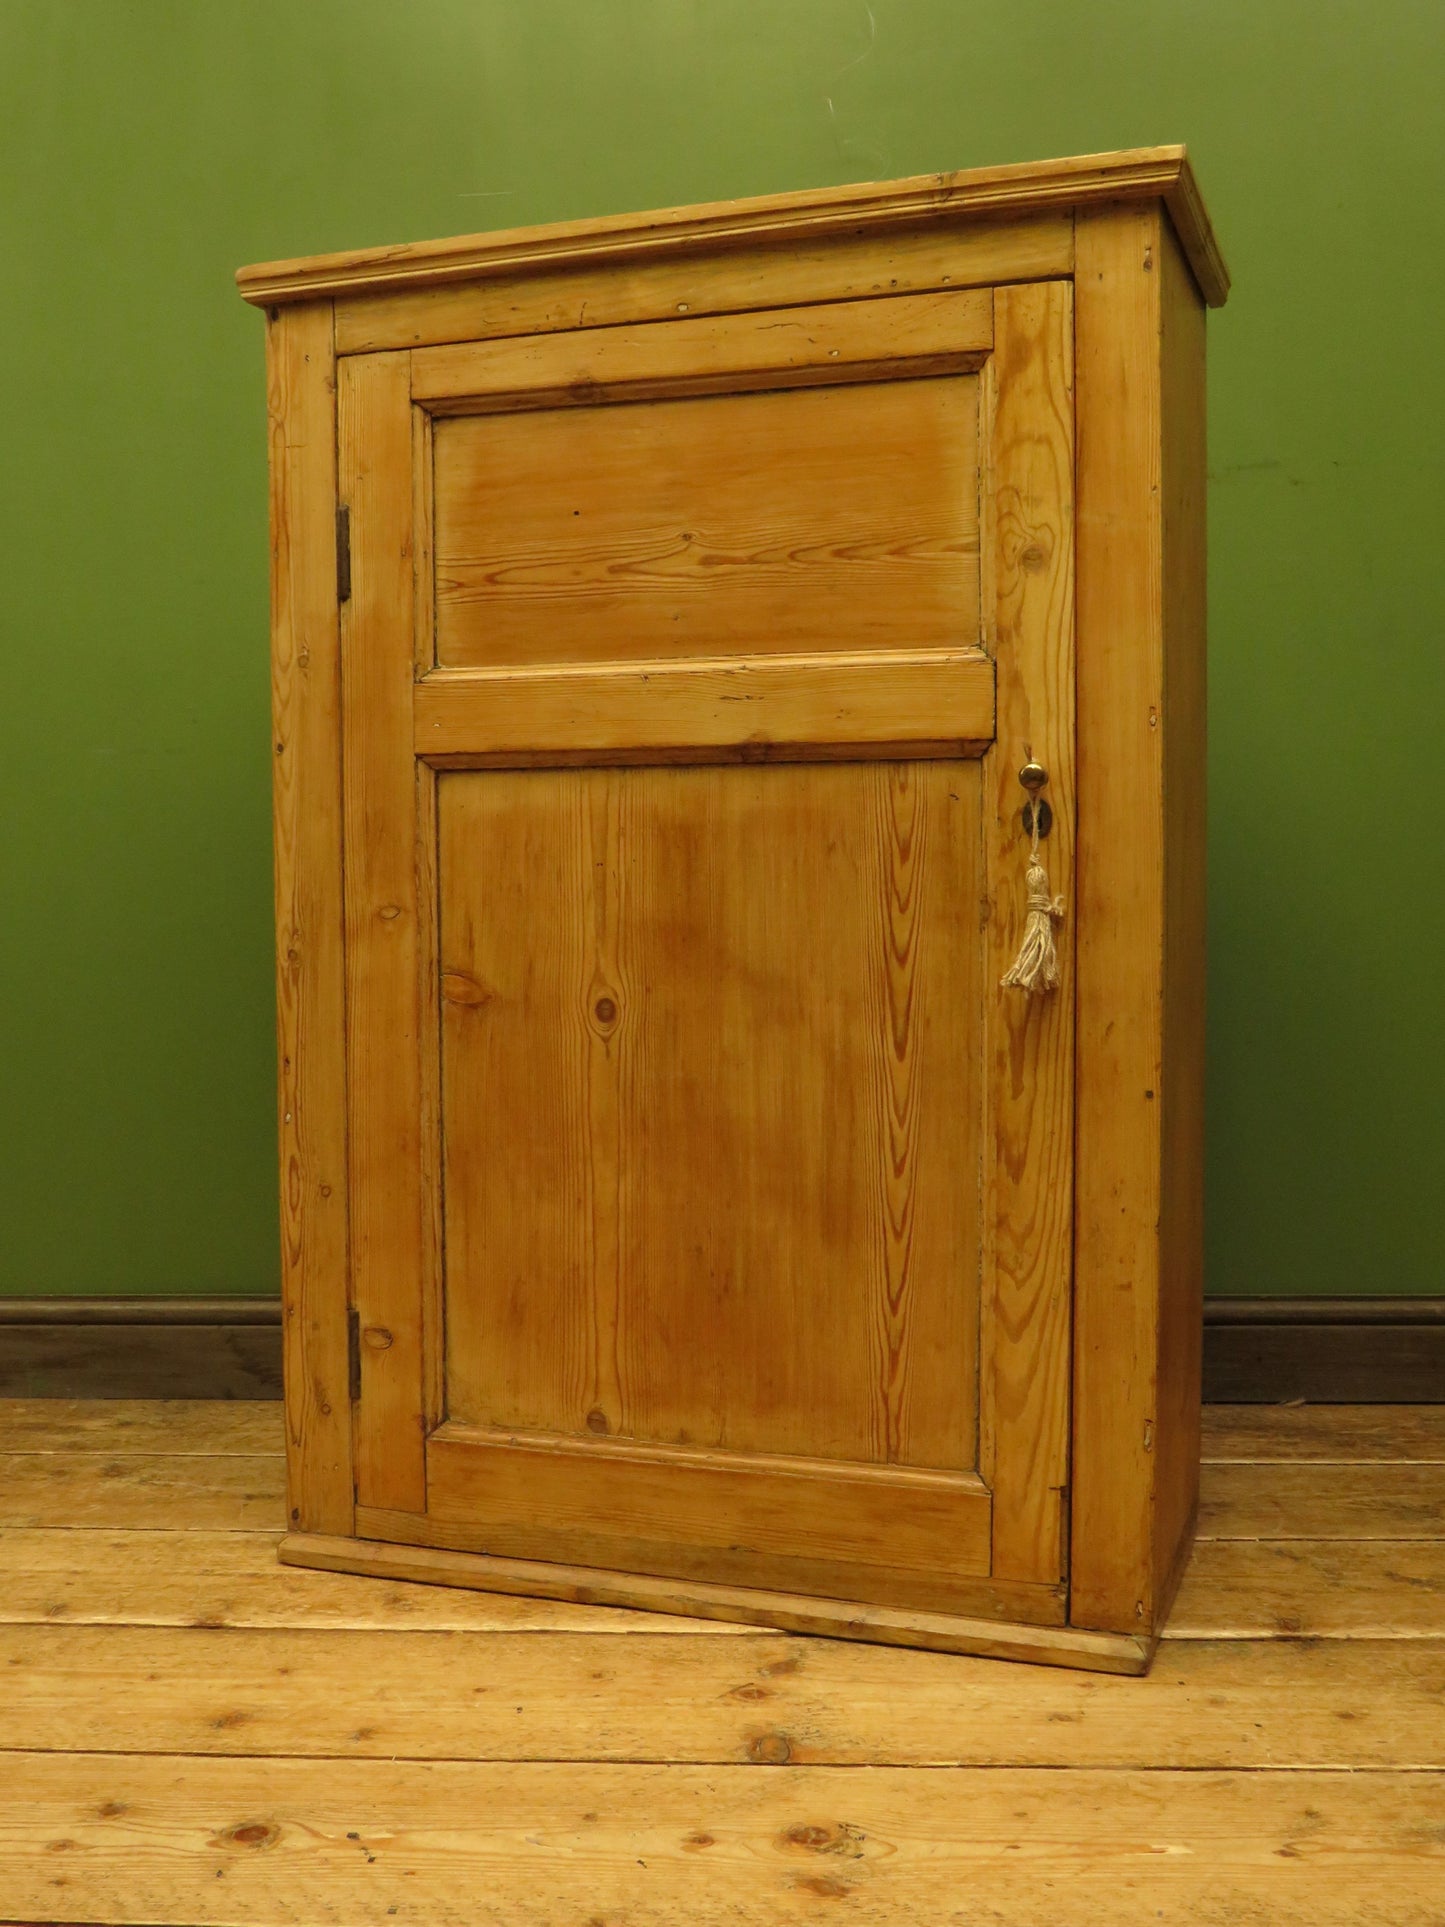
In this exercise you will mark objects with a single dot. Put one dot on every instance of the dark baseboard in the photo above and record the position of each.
(1327, 1351)
(140, 1347)
(1257, 1351)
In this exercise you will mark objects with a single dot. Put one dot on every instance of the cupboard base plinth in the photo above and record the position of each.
(1093, 1652)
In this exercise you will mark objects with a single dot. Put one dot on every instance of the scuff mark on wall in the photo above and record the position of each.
(850, 145)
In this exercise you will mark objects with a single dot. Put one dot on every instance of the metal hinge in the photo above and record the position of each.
(353, 1353)
(343, 553)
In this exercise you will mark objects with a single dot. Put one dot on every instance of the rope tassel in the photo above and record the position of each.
(1035, 969)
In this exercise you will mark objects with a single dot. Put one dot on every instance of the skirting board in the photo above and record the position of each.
(140, 1348)
(1326, 1351)
(1257, 1351)
(833, 1618)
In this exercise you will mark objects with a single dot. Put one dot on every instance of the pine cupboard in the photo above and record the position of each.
(678, 1209)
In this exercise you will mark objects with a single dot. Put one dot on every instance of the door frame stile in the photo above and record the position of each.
(428, 887)
(384, 996)
(1120, 916)
(310, 948)
(1028, 1041)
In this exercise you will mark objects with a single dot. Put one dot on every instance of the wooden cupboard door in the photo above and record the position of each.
(711, 1204)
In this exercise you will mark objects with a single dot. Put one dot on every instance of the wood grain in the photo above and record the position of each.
(1250, 1434)
(93, 1487)
(773, 348)
(737, 1206)
(741, 278)
(802, 1592)
(787, 220)
(536, 1498)
(1182, 728)
(842, 1602)
(310, 971)
(742, 524)
(160, 1480)
(1323, 1502)
(212, 1578)
(188, 1838)
(180, 1427)
(741, 1156)
(1029, 1042)
(697, 1262)
(1308, 1589)
(383, 949)
(1233, 1589)
(766, 1699)
(743, 708)
(1118, 920)
(1360, 1434)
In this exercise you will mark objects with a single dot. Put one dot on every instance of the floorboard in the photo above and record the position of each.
(763, 1698)
(91, 1576)
(181, 1840)
(1312, 1589)
(194, 1736)
(1352, 1434)
(176, 1426)
(1289, 1500)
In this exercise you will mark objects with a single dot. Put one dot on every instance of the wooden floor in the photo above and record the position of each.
(191, 1733)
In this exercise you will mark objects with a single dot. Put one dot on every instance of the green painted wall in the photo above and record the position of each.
(148, 148)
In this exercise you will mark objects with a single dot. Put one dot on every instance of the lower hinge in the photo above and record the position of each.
(353, 1353)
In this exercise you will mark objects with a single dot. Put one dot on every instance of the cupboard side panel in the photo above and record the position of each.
(390, 1215)
(310, 984)
(1029, 1050)
(1181, 1227)
(1119, 892)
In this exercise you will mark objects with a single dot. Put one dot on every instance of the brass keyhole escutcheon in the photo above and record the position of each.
(1033, 776)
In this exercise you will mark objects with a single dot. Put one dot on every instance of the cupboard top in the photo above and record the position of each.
(1148, 173)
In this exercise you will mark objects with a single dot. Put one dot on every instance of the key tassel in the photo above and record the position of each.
(1035, 969)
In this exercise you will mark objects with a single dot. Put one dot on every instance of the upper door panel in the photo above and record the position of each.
(750, 485)
(744, 524)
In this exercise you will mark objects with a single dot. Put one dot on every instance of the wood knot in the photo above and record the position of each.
(770, 1749)
(808, 1837)
(776, 1668)
(250, 1833)
(459, 987)
(597, 1422)
(605, 1013)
